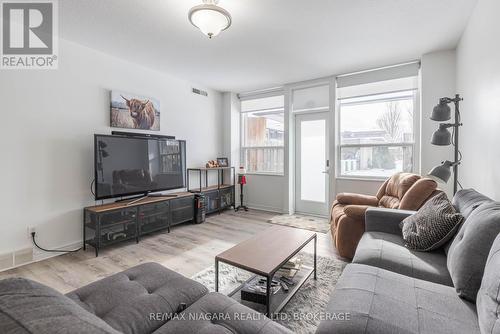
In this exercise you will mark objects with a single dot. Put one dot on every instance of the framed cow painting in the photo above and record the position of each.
(132, 111)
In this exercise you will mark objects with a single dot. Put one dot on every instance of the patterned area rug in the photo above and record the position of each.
(310, 223)
(311, 298)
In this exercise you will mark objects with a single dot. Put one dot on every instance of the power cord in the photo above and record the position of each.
(92, 187)
(52, 250)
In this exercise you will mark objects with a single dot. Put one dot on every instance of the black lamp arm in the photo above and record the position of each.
(447, 100)
(451, 163)
(449, 125)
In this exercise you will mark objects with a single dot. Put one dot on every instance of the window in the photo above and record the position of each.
(377, 134)
(263, 135)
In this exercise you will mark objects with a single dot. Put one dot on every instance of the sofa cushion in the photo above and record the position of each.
(356, 211)
(346, 231)
(127, 299)
(418, 194)
(357, 199)
(470, 248)
(30, 307)
(395, 188)
(467, 200)
(488, 297)
(387, 251)
(376, 301)
(218, 314)
(432, 226)
(400, 183)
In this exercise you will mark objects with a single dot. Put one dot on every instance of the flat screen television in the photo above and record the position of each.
(127, 165)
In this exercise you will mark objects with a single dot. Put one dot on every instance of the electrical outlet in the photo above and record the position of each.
(31, 229)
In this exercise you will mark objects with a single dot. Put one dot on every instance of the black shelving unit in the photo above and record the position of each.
(217, 197)
(108, 224)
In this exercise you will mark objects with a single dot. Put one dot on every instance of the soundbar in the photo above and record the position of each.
(143, 135)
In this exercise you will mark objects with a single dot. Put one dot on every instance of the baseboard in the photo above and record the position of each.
(35, 255)
(264, 208)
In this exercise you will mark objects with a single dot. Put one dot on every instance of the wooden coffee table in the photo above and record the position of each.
(263, 255)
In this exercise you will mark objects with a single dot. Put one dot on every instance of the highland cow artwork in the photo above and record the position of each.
(131, 111)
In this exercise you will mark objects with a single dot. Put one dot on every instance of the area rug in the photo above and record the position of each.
(311, 298)
(310, 223)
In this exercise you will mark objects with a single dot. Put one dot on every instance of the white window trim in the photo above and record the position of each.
(414, 145)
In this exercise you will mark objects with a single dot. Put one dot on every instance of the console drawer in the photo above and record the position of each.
(183, 215)
(153, 217)
(182, 202)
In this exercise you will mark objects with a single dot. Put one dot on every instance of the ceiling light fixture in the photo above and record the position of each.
(210, 18)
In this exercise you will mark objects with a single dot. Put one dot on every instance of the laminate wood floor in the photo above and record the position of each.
(187, 249)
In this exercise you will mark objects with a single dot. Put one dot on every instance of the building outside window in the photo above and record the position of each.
(262, 135)
(376, 132)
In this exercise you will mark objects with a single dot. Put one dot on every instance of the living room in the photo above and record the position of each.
(204, 166)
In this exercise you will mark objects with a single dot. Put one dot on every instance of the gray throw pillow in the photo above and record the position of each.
(432, 226)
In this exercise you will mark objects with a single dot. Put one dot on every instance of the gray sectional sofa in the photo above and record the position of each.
(148, 298)
(387, 289)
(391, 289)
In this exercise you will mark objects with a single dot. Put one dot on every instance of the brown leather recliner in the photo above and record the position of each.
(403, 191)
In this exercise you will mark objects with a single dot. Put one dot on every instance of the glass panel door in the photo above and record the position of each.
(312, 163)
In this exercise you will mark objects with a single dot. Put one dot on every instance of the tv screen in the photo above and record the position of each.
(137, 165)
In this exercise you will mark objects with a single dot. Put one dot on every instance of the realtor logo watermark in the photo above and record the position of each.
(29, 38)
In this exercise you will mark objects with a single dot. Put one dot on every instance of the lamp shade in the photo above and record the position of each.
(442, 172)
(210, 18)
(441, 137)
(441, 112)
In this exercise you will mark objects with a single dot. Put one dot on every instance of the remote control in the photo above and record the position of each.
(284, 286)
(287, 280)
(273, 282)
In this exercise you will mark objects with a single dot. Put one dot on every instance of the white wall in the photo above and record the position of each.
(438, 80)
(266, 192)
(478, 80)
(48, 122)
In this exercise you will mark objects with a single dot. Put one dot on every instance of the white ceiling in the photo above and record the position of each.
(271, 42)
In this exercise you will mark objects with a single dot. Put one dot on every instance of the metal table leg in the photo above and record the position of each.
(216, 275)
(268, 296)
(84, 236)
(98, 233)
(315, 247)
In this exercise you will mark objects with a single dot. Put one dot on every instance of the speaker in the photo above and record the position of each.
(199, 208)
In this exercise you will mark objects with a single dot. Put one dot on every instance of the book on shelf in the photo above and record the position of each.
(291, 268)
(293, 263)
(288, 273)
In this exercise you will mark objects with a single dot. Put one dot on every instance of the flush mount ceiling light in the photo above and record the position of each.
(210, 18)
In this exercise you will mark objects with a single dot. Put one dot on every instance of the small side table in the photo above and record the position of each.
(242, 180)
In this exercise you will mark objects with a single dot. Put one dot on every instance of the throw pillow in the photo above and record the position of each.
(432, 226)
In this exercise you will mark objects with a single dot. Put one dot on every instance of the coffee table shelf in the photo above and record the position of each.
(280, 298)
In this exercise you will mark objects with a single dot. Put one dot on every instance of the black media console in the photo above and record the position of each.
(111, 223)
(108, 224)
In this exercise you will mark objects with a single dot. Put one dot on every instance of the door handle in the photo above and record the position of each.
(326, 172)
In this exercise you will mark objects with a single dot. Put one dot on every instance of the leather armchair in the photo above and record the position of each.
(405, 191)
